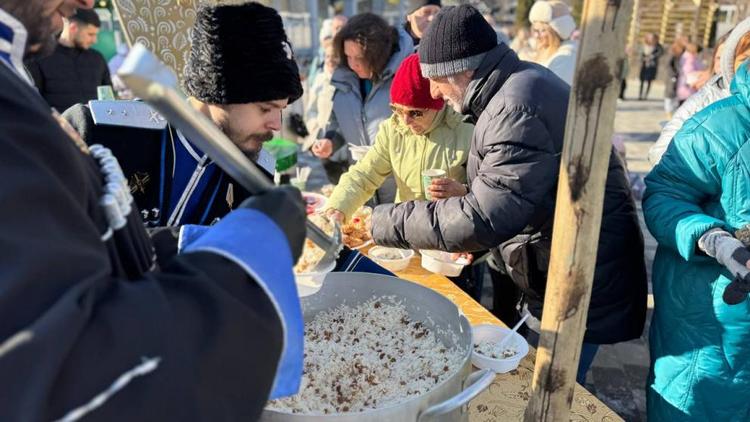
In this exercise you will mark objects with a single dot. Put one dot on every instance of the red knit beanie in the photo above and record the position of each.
(410, 89)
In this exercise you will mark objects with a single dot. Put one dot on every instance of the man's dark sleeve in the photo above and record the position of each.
(79, 116)
(517, 174)
(199, 340)
(35, 70)
(106, 77)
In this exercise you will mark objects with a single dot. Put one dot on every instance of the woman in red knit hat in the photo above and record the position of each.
(421, 134)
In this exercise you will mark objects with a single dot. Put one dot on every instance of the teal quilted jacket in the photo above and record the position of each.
(700, 347)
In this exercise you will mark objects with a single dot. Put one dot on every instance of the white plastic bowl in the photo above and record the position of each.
(440, 262)
(310, 283)
(393, 265)
(496, 333)
(358, 151)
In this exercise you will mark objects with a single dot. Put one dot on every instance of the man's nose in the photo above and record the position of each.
(274, 122)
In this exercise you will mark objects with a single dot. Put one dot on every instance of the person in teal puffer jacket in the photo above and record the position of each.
(696, 198)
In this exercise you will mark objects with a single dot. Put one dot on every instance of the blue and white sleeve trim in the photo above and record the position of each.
(253, 241)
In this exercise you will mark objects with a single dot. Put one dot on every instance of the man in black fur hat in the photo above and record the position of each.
(241, 73)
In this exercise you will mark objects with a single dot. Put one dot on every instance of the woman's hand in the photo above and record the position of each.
(446, 188)
(322, 148)
(335, 215)
(467, 256)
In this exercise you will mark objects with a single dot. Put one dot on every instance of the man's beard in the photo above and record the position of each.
(250, 145)
(42, 49)
(79, 44)
(257, 140)
(457, 102)
(455, 106)
(41, 35)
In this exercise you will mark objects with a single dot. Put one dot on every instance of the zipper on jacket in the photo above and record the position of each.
(179, 209)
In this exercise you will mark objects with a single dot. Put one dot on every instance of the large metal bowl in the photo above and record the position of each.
(445, 402)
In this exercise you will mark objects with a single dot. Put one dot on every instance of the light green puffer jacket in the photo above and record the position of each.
(700, 346)
(398, 151)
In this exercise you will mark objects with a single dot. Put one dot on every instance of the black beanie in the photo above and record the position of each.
(456, 40)
(416, 4)
(240, 54)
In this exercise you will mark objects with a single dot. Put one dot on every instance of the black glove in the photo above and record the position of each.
(284, 205)
(165, 241)
(297, 125)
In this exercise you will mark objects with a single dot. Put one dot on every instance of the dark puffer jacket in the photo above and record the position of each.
(513, 165)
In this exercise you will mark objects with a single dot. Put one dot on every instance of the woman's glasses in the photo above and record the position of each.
(413, 114)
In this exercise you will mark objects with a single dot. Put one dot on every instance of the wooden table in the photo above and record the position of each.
(506, 398)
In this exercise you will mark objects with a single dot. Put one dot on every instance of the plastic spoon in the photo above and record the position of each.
(504, 341)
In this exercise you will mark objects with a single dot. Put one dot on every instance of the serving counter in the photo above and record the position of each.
(507, 397)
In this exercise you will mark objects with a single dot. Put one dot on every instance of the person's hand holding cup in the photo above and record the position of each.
(427, 177)
(465, 257)
(445, 188)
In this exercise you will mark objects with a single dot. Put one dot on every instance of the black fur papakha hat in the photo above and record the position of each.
(240, 54)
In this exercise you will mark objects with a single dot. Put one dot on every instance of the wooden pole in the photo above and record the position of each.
(580, 195)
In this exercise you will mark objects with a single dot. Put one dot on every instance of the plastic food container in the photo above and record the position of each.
(358, 151)
(495, 333)
(391, 259)
(310, 283)
(356, 229)
(314, 202)
(440, 262)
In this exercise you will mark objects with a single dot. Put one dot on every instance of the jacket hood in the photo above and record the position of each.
(346, 80)
(730, 46)
(740, 83)
(497, 66)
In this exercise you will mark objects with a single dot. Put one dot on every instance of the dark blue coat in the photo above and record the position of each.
(197, 340)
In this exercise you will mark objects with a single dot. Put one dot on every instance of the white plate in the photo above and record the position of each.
(321, 200)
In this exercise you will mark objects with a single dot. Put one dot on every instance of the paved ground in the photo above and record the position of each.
(618, 374)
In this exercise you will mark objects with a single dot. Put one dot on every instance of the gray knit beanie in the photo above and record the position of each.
(457, 40)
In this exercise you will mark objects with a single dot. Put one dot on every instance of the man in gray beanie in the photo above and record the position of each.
(519, 109)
